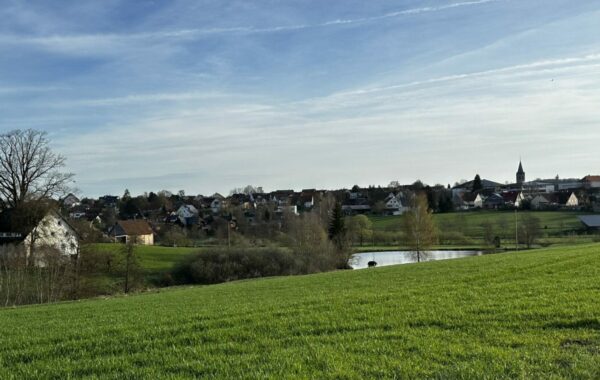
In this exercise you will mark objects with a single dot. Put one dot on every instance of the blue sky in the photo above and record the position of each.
(210, 95)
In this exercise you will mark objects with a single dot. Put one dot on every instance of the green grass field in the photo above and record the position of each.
(154, 259)
(523, 315)
(553, 222)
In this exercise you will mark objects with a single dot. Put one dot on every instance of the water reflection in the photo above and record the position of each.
(364, 260)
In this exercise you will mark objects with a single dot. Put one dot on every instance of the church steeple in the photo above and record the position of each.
(520, 175)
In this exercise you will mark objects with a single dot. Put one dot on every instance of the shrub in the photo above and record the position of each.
(229, 264)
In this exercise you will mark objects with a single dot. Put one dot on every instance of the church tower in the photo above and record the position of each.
(520, 175)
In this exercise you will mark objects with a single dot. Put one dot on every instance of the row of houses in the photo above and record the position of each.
(516, 199)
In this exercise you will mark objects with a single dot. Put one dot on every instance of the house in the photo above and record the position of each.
(354, 206)
(540, 202)
(71, 201)
(591, 182)
(216, 205)
(393, 205)
(307, 198)
(567, 200)
(494, 201)
(513, 198)
(109, 201)
(188, 215)
(125, 230)
(479, 200)
(463, 200)
(34, 232)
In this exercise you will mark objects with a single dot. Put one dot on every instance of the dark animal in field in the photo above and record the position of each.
(372, 264)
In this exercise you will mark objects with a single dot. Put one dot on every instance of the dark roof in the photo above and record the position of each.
(15, 226)
(592, 221)
(510, 196)
(520, 171)
(132, 228)
(485, 183)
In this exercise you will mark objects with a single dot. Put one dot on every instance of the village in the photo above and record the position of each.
(162, 217)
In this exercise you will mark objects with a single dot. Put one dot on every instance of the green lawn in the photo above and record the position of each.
(553, 222)
(154, 259)
(523, 315)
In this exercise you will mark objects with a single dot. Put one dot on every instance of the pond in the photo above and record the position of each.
(361, 260)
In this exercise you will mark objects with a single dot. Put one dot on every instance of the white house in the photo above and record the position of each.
(573, 201)
(479, 200)
(51, 230)
(393, 204)
(188, 215)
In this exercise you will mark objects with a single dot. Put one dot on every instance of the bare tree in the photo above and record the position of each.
(419, 226)
(29, 170)
(132, 269)
(529, 230)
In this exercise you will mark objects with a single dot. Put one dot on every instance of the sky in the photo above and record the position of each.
(210, 95)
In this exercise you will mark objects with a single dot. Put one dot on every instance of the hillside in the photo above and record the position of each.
(516, 315)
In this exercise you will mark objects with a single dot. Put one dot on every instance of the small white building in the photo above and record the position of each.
(393, 205)
(479, 200)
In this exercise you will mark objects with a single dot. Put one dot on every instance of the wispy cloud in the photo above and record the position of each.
(102, 42)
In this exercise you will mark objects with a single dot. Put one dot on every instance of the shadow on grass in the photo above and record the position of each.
(591, 324)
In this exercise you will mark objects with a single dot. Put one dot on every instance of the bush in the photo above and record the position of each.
(223, 264)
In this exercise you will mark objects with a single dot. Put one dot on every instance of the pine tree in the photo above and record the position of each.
(477, 185)
(337, 229)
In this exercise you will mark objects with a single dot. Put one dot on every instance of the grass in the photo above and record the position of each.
(524, 315)
(553, 222)
(154, 259)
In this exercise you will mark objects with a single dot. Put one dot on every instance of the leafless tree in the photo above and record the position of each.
(29, 169)
(419, 227)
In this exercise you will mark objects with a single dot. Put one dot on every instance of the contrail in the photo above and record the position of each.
(94, 39)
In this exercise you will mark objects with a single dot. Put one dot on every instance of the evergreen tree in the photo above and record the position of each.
(337, 229)
(477, 185)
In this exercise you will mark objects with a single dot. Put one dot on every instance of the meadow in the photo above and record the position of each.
(531, 314)
(465, 230)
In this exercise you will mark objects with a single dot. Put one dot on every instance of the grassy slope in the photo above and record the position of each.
(525, 315)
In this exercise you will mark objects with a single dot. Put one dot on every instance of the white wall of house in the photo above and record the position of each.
(53, 231)
(140, 239)
(478, 203)
(573, 201)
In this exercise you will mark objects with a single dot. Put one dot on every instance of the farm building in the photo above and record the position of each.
(125, 230)
(591, 222)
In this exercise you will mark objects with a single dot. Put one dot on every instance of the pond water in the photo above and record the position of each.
(361, 260)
